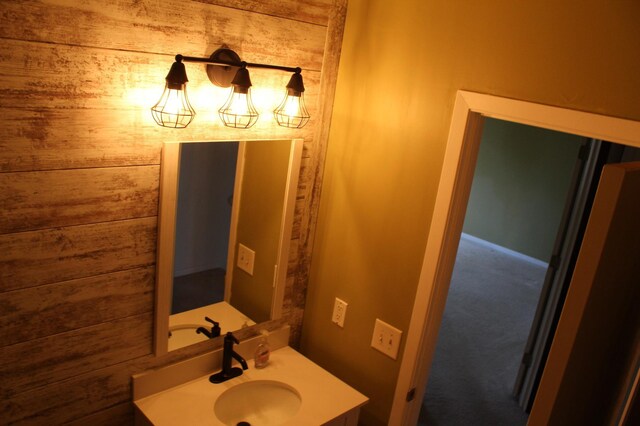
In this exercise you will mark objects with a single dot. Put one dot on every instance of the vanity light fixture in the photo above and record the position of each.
(173, 109)
(239, 111)
(226, 69)
(292, 112)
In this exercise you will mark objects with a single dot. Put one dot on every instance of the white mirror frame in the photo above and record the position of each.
(167, 212)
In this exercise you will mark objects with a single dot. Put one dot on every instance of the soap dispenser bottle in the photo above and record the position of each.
(263, 351)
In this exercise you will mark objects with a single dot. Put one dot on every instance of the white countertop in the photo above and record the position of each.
(323, 396)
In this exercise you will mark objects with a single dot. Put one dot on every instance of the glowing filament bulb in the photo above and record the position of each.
(239, 104)
(292, 106)
(292, 111)
(239, 111)
(173, 109)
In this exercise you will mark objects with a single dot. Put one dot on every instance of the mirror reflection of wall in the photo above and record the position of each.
(205, 197)
(259, 225)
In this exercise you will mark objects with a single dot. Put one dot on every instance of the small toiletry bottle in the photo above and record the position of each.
(263, 351)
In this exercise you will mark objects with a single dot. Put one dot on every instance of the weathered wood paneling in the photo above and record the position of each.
(44, 138)
(58, 357)
(62, 76)
(79, 156)
(39, 200)
(75, 398)
(119, 83)
(56, 308)
(35, 258)
(65, 138)
(166, 27)
(314, 11)
(97, 114)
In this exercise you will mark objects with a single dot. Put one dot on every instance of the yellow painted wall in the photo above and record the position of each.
(401, 65)
(259, 222)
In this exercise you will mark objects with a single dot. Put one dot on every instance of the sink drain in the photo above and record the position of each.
(244, 424)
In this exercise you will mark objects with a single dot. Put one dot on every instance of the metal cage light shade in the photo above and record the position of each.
(238, 111)
(173, 109)
(292, 111)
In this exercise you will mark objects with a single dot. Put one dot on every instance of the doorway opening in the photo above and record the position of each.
(521, 181)
(470, 112)
(531, 196)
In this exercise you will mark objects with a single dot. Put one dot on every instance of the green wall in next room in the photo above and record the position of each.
(520, 186)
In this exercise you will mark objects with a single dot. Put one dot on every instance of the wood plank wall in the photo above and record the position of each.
(79, 173)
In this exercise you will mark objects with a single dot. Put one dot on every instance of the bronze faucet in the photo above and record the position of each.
(227, 371)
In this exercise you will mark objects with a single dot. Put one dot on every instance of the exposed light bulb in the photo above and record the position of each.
(239, 111)
(291, 106)
(173, 109)
(239, 104)
(292, 112)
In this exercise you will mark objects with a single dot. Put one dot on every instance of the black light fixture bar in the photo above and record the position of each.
(222, 63)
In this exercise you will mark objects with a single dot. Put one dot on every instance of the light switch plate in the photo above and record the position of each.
(386, 339)
(339, 312)
(246, 258)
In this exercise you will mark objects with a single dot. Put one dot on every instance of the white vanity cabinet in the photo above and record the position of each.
(322, 399)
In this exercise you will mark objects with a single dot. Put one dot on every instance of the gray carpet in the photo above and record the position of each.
(491, 303)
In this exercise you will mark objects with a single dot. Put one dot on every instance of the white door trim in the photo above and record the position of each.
(448, 216)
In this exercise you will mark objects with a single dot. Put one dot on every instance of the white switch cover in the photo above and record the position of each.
(386, 339)
(339, 312)
(246, 257)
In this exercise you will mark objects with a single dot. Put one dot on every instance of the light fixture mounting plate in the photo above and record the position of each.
(222, 75)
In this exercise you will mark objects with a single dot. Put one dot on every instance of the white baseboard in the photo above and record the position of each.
(505, 250)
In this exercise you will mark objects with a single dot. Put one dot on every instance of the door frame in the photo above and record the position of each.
(460, 158)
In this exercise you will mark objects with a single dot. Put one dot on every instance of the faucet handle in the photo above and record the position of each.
(230, 337)
(215, 330)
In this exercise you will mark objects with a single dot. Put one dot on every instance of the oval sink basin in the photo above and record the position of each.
(259, 402)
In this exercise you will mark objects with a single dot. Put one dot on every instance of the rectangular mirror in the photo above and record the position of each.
(225, 219)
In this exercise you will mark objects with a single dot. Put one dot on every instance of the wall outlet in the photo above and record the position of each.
(246, 258)
(386, 339)
(339, 312)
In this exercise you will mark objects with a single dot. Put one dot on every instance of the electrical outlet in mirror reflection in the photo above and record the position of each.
(246, 258)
